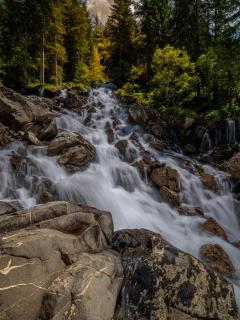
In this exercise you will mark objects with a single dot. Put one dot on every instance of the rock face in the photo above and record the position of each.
(73, 150)
(164, 283)
(217, 259)
(17, 111)
(55, 264)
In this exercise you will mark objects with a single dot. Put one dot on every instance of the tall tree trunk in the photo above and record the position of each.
(55, 69)
(42, 62)
(55, 63)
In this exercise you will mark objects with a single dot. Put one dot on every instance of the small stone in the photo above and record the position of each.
(170, 196)
(209, 182)
(165, 176)
(121, 145)
(212, 226)
(30, 136)
(191, 211)
(110, 135)
(217, 259)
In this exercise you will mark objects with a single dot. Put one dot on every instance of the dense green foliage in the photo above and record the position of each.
(173, 54)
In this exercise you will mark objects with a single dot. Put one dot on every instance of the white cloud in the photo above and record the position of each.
(100, 8)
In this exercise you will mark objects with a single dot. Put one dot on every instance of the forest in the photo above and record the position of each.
(180, 56)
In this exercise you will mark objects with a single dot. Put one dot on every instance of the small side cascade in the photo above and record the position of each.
(206, 144)
(231, 131)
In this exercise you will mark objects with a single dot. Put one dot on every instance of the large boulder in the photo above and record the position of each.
(164, 283)
(54, 262)
(73, 150)
(17, 111)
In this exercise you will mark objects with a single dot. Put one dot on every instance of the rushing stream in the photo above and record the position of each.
(115, 185)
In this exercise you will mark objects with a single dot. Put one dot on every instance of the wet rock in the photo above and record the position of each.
(209, 182)
(217, 259)
(110, 135)
(74, 102)
(158, 145)
(189, 149)
(16, 110)
(77, 157)
(6, 208)
(162, 282)
(16, 161)
(30, 137)
(191, 211)
(188, 123)
(165, 176)
(58, 248)
(44, 131)
(94, 278)
(138, 114)
(115, 121)
(211, 225)
(232, 166)
(199, 131)
(122, 145)
(5, 136)
(224, 153)
(73, 150)
(170, 196)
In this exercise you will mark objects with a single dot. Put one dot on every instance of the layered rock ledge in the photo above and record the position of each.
(64, 261)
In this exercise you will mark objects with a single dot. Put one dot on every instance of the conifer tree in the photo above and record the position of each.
(121, 30)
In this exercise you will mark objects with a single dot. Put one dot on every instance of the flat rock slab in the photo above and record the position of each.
(55, 253)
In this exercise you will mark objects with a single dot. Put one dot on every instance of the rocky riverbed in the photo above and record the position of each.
(63, 259)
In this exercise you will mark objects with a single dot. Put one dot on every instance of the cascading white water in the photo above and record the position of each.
(206, 144)
(231, 131)
(116, 186)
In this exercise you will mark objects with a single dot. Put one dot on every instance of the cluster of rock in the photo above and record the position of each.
(64, 261)
(32, 119)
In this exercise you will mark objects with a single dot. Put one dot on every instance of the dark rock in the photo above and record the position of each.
(122, 145)
(138, 114)
(217, 259)
(162, 282)
(110, 135)
(16, 110)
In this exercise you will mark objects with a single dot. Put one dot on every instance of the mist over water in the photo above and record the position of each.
(115, 185)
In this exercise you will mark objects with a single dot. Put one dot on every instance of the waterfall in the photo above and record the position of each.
(231, 131)
(206, 144)
(115, 185)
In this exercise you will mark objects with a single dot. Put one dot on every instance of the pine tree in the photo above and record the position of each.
(121, 31)
(154, 19)
(77, 40)
(56, 41)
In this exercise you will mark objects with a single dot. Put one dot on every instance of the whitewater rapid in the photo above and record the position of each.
(116, 186)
